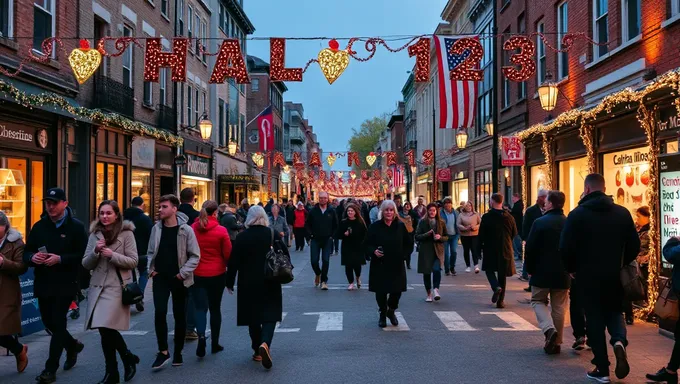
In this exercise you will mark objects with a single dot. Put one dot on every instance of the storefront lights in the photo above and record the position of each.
(232, 147)
(461, 138)
(205, 127)
(547, 93)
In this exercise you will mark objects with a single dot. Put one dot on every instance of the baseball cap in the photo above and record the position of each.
(55, 194)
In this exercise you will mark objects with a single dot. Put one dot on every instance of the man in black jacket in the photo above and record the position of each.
(549, 278)
(186, 198)
(55, 248)
(290, 217)
(322, 222)
(143, 225)
(231, 222)
(532, 213)
(517, 213)
(598, 238)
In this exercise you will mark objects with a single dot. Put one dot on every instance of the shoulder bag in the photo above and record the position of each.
(277, 265)
(632, 281)
(408, 222)
(132, 292)
(666, 306)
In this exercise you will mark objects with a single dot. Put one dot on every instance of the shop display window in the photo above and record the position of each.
(200, 188)
(671, 147)
(142, 187)
(539, 180)
(483, 190)
(572, 174)
(37, 188)
(13, 191)
(626, 175)
(110, 183)
(460, 191)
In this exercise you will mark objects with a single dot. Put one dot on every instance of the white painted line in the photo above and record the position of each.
(284, 330)
(134, 333)
(453, 321)
(514, 320)
(402, 327)
(476, 285)
(328, 321)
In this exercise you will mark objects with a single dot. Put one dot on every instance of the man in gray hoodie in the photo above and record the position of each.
(173, 256)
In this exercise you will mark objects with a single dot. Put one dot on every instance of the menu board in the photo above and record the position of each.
(669, 197)
(626, 176)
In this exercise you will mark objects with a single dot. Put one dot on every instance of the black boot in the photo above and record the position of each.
(130, 362)
(392, 317)
(112, 376)
(663, 376)
(382, 322)
(200, 348)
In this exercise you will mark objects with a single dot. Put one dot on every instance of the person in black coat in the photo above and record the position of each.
(339, 214)
(186, 198)
(598, 238)
(386, 245)
(517, 213)
(321, 225)
(532, 213)
(54, 248)
(496, 232)
(352, 231)
(549, 278)
(232, 223)
(259, 301)
(143, 225)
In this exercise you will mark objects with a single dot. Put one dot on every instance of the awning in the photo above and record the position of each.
(31, 89)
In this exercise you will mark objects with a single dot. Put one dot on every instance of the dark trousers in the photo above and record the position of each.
(597, 319)
(674, 363)
(261, 333)
(299, 238)
(112, 342)
(434, 278)
(323, 249)
(470, 246)
(336, 245)
(387, 301)
(576, 311)
(498, 281)
(163, 287)
(11, 343)
(207, 293)
(351, 270)
(53, 311)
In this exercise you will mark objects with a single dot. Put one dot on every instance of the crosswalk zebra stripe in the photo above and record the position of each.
(453, 321)
(402, 327)
(328, 321)
(284, 330)
(514, 320)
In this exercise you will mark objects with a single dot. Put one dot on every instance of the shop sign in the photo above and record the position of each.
(626, 176)
(31, 322)
(25, 136)
(144, 152)
(669, 197)
(444, 174)
(668, 119)
(238, 179)
(165, 158)
(198, 166)
(512, 153)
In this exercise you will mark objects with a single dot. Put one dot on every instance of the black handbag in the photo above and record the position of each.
(633, 282)
(277, 265)
(132, 292)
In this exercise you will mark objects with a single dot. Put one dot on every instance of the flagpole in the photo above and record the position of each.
(433, 192)
(494, 103)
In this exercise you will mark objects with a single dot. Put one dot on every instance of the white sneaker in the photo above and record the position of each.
(429, 298)
(476, 268)
(467, 270)
(436, 295)
(351, 287)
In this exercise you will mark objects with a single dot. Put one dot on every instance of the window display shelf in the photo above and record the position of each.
(11, 201)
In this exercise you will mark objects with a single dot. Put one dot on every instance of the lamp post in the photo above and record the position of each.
(232, 147)
(461, 138)
(547, 93)
(205, 126)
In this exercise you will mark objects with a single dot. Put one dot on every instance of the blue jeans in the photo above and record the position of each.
(517, 247)
(336, 245)
(316, 249)
(143, 270)
(207, 293)
(451, 253)
(597, 320)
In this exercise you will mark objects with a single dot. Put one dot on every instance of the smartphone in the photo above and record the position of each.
(42, 249)
(349, 230)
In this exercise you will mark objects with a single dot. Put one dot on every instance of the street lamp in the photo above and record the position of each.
(205, 126)
(489, 127)
(461, 138)
(232, 147)
(547, 93)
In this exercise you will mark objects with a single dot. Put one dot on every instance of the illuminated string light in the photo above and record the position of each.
(277, 59)
(428, 157)
(279, 160)
(155, 59)
(315, 160)
(333, 62)
(467, 69)
(330, 159)
(230, 64)
(353, 158)
(391, 158)
(84, 61)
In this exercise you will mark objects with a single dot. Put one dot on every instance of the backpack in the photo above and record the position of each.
(277, 265)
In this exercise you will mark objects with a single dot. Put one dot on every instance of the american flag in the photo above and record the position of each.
(397, 177)
(457, 99)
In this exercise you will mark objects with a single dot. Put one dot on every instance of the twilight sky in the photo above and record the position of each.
(365, 89)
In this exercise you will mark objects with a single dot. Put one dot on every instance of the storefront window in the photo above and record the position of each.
(37, 188)
(110, 183)
(141, 186)
(460, 191)
(483, 190)
(572, 175)
(200, 188)
(626, 176)
(13, 191)
(671, 147)
(538, 181)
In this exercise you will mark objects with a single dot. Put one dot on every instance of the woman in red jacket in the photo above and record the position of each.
(299, 226)
(210, 275)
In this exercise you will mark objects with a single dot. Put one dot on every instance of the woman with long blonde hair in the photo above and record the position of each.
(210, 275)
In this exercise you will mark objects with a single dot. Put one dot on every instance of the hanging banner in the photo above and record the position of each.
(444, 175)
(512, 153)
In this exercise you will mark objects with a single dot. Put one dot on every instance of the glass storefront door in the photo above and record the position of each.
(20, 201)
(142, 187)
(572, 175)
(110, 183)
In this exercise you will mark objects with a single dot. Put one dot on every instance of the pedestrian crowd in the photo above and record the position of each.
(192, 256)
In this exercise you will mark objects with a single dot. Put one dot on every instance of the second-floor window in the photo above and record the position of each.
(630, 19)
(6, 18)
(127, 59)
(164, 7)
(189, 105)
(43, 22)
(255, 85)
(180, 17)
(197, 113)
(163, 81)
(148, 93)
(540, 54)
(675, 7)
(600, 27)
(562, 23)
(198, 31)
(190, 27)
(506, 82)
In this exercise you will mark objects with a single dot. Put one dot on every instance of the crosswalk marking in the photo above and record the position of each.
(328, 321)
(453, 321)
(399, 328)
(515, 322)
(284, 330)
(135, 333)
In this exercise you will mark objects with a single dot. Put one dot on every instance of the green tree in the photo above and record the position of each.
(366, 137)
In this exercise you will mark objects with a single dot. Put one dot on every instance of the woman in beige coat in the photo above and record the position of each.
(111, 248)
(468, 224)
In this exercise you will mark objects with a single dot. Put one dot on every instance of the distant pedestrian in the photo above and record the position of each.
(420, 208)
(549, 278)
(374, 212)
(173, 256)
(532, 213)
(268, 206)
(598, 238)
(278, 223)
(259, 301)
(450, 217)
(386, 243)
(242, 211)
(231, 222)
(410, 220)
(187, 200)
(517, 212)
(321, 225)
(210, 275)
(11, 267)
(111, 255)
(299, 228)
(143, 225)
(290, 219)
(431, 234)
(352, 231)
(55, 248)
(496, 232)
(468, 225)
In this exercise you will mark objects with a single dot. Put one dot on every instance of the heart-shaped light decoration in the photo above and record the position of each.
(353, 175)
(370, 159)
(330, 159)
(258, 159)
(339, 174)
(333, 61)
(84, 61)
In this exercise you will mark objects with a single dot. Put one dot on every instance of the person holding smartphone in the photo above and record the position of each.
(54, 248)
(386, 245)
(352, 232)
